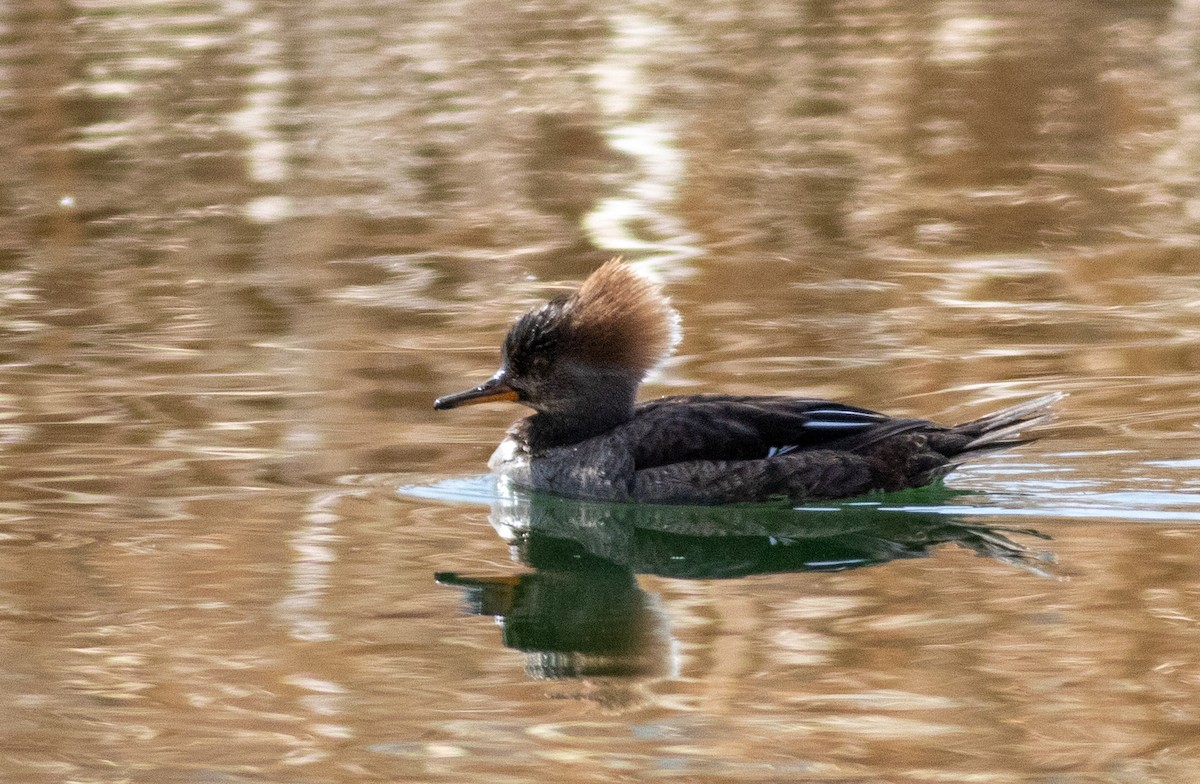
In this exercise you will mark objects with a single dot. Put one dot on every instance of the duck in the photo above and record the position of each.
(579, 359)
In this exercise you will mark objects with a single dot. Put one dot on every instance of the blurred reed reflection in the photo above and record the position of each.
(582, 613)
(243, 244)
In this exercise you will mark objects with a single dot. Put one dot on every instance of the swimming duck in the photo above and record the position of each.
(578, 360)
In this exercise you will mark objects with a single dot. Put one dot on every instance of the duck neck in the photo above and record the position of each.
(596, 405)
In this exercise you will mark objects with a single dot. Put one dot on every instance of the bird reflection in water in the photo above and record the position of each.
(582, 613)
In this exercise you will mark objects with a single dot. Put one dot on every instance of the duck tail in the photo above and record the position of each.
(1002, 429)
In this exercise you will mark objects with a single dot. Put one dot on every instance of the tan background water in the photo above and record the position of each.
(244, 244)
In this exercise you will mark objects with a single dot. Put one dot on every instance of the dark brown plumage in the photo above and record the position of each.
(578, 360)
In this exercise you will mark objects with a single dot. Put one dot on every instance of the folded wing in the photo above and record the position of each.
(718, 427)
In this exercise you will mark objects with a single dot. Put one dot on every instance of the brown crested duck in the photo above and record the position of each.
(577, 362)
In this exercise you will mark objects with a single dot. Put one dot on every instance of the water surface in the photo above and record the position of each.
(244, 245)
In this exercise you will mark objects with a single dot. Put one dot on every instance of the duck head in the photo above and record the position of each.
(580, 358)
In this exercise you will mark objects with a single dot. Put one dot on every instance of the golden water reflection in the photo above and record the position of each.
(243, 245)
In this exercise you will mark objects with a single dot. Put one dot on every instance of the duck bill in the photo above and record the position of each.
(488, 392)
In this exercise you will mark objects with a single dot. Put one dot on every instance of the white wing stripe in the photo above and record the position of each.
(837, 412)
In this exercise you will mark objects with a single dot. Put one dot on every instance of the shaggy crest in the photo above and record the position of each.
(621, 318)
(618, 318)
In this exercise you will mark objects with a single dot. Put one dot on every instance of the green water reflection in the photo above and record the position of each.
(582, 613)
